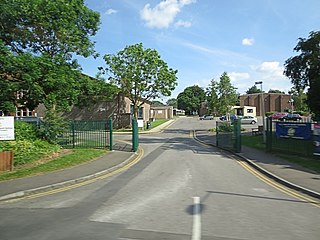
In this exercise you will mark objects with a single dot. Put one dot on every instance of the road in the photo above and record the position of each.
(180, 189)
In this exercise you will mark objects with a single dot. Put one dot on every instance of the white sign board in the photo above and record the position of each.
(140, 123)
(6, 128)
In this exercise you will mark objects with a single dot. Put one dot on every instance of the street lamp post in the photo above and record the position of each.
(262, 112)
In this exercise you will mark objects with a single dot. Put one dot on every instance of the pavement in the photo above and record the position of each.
(281, 170)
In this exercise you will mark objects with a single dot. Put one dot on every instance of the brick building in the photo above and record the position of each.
(273, 102)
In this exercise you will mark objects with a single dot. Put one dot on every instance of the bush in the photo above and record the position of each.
(27, 145)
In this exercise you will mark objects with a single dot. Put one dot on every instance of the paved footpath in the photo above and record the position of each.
(284, 171)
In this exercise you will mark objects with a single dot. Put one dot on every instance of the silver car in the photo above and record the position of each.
(248, 120)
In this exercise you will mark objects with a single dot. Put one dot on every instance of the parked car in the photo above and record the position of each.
(291, 117)
(278, 115)
(206, 117)
(231, 117)
(248, 120)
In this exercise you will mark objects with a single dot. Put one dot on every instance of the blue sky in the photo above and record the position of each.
(248, 39)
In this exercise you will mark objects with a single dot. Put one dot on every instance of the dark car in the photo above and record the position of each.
(291, 117)
(232, 117)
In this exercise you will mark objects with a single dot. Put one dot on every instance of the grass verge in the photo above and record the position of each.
(76, 157)
(311, 163)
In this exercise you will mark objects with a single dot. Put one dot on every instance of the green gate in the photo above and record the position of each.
(86, 134)
(229, 135)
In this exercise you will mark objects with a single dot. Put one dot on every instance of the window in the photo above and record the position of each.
(250, 110)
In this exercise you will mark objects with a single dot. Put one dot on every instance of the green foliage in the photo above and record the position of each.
(303, 69)
(224, 127)
(172, 102)
(253, 89)
(141, 74)
(48, 27)
(53, 126)
(275, 91)
(27, 145)
(190, 99)
(222, 95)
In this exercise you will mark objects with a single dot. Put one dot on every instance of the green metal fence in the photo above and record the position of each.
(289, 145)
(229, 135)
(86, 134)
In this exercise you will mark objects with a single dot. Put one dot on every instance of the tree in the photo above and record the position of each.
(190, 99)
(172, 102)
(253, 89)
(212, 97)
(141, 74)
(157, 104)
(275, 91)
(38, 39)
(299, 99)
(60, 27)
(304, 70)
(226, 93)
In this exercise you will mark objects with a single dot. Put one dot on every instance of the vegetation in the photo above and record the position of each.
(222, 95)
(308, 162)
(253, 89)
(190, 99)
(75, 157)
(303, 70)
(172, 102)
(140, 74)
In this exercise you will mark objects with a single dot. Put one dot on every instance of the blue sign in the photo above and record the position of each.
(300, 131)
(316, 133)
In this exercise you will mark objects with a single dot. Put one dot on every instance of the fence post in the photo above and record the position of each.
(110, 134)
(269, 135)
(135, 139)
(237, 135)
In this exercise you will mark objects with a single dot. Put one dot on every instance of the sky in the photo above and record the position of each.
(248, 39)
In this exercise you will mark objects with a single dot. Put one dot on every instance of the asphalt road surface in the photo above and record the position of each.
(180, 189)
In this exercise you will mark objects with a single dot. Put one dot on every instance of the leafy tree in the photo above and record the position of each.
(37, 41)
(275, 91)
(299, 100)
(212, 97)
(157, 104)
(172, 102)
(60, 27)
(226, 93)
(141, 74)
(253, 89)
(304, 70)
(190, 99)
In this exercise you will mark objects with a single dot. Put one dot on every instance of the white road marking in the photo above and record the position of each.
(196, 229)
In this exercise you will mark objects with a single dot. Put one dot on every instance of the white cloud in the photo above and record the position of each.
(181, 23)
(111, 11)
(238, 76)
(163, 14)
(272, 68)
(247, 41)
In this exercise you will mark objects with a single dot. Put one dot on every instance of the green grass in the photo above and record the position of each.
(76, 157)
(158, 122)
(309, 162)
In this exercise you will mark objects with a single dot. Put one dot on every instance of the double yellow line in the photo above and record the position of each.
(266, 179)
(82, 183)
(277, 185)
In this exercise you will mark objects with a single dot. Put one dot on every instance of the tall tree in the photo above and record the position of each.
(304, 70)
(212, 97)
(172, 102)
(141, 74)
(190, 99)
(253, 89)
(38, 39)
(227, 94)
(60, 27)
